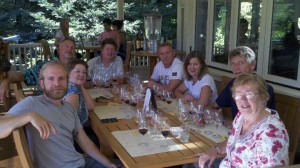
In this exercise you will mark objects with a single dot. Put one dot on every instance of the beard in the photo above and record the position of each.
(55, 93)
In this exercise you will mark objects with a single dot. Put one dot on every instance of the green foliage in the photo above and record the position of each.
(42, 17)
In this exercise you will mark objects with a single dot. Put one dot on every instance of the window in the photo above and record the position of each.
(270, 28)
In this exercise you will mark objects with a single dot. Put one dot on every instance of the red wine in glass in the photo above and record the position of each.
(133, 104)
(165, 133)
(169, 101)
(143, 131)
(126, 101)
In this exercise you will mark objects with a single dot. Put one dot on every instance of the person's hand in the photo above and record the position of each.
(42, 125)
(188, 98)
(209, 155)
(4, 89)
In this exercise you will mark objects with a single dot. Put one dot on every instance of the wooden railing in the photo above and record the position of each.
(23, 56)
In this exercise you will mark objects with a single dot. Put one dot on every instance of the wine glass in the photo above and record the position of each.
(209, 119)
(169, 97)
(115, 89)
(114, 77)
(133, 101)
(218, 121)
(182, 111)
(106, 80)
(163, 96)
(143, 129)
(96, 81)
(193, 116)
(165, 131)
(200, 111)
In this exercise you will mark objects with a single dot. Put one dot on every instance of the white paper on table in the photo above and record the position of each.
(114, 110)
(130, 139)
(104, 92)
(222, 131)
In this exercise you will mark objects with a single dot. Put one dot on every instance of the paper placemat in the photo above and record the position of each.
(97, 92)
(211, 132)
(169, 108)
(130, 140)
(112, 110)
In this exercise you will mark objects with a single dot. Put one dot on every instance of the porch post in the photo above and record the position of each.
(120, 9)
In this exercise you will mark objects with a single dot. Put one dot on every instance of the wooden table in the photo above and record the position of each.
(110, 145)
(153, 56)
(88, 49)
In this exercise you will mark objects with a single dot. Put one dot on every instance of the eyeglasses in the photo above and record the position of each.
(248, 95)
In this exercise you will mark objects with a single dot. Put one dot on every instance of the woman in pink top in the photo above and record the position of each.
(108, 32)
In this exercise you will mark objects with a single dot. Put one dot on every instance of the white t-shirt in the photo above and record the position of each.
(164, 75)
(195, 90)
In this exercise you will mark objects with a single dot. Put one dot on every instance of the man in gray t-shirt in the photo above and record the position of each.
(52, 124)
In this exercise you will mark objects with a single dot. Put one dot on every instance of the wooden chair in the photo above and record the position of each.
(128, 55)
(18, 91)
(22, 147)
(224, 81)
(288, 108)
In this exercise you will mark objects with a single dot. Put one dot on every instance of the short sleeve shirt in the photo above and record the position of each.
(195, 90)
(58, 150)
(97, 67)
(31, 75)
(164, 75)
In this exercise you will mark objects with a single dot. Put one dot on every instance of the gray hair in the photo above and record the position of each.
(242, 51)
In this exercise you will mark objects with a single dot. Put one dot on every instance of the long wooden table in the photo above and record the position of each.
(110, 145)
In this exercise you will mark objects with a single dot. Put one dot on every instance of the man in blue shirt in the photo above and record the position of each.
(31, 75)
(242, 61)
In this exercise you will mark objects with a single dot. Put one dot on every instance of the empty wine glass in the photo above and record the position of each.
(182, 111)
(200, 112)
(209, 119)
(218, 121)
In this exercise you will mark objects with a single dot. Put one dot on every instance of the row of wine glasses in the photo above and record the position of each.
(163, 95)
(146, 121)
(199, 117)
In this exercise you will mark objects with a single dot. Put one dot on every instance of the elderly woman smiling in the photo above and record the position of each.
(258, 137)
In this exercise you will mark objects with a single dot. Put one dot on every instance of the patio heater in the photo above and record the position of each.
(152, 23)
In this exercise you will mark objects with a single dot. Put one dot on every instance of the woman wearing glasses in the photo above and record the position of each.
(258, 137)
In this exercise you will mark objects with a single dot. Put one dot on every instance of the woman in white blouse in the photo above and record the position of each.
(198, 87)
